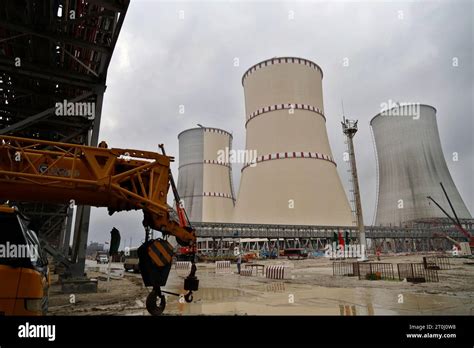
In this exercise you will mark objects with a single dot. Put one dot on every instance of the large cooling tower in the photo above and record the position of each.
(410, 166)
(205, 178)
(295, 180)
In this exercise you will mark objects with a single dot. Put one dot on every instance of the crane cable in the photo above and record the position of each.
(185, 223)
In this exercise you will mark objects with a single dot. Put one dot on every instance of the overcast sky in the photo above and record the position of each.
(400, 51)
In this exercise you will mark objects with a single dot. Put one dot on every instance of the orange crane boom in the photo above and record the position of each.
(119, 179)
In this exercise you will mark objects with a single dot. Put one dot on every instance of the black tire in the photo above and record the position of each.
(152, 307)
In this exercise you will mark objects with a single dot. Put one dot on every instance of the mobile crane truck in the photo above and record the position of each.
(119, 179)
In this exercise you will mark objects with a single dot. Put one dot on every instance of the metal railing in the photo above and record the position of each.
(416, 273)
(364, 270)
(375, 271)
(413, 272)
(345, 269)
(436, 262)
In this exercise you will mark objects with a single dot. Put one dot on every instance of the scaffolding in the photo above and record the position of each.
(54, 52)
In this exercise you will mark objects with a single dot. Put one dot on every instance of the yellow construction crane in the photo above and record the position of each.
(119, 179)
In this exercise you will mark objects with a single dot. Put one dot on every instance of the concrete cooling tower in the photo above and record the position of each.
(410, 166)
(205, 178)
(294, 180)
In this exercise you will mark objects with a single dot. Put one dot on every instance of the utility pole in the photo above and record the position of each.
(349, 127)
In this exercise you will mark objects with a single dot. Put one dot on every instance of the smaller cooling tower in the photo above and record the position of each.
(205, 177)
(411, 165)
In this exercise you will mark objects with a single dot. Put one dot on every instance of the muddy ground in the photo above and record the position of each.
(313, 290)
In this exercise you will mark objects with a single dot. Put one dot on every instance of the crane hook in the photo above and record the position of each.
(189, 297)
(151, 302)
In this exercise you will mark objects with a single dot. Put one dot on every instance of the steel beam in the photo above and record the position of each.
(38, 117)
(111, 5)
(80, 241)
(49, 74)
(55, 37)
(217, 230)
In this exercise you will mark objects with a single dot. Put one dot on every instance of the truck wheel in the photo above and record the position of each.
(151, 303)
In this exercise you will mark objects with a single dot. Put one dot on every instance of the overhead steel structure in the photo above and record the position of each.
(422, 229)
(411, 165)
(423, 235)
(57, 51)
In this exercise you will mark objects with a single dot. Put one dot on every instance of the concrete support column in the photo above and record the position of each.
(66, 237)
(81, 230)
(80, 241)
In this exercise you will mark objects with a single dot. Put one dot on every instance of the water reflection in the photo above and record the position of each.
(351, 310)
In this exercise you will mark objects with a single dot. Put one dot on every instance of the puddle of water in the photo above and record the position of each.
(237, 295)
(428, 304)
(296, 299)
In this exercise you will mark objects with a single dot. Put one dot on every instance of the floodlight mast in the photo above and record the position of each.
(349, 128)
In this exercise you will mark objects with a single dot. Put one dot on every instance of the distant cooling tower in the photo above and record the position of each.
(410, 166)
(295, 180)
(205, 180)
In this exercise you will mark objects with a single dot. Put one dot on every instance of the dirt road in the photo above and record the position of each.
(313, 290)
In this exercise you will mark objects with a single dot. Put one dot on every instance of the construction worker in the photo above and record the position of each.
(239, 262)
(378, 254)
(103, 145)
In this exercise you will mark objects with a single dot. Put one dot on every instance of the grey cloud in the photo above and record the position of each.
(162, 62)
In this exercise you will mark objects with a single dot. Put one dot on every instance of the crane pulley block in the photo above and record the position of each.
(191, 283)
(155, 258)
